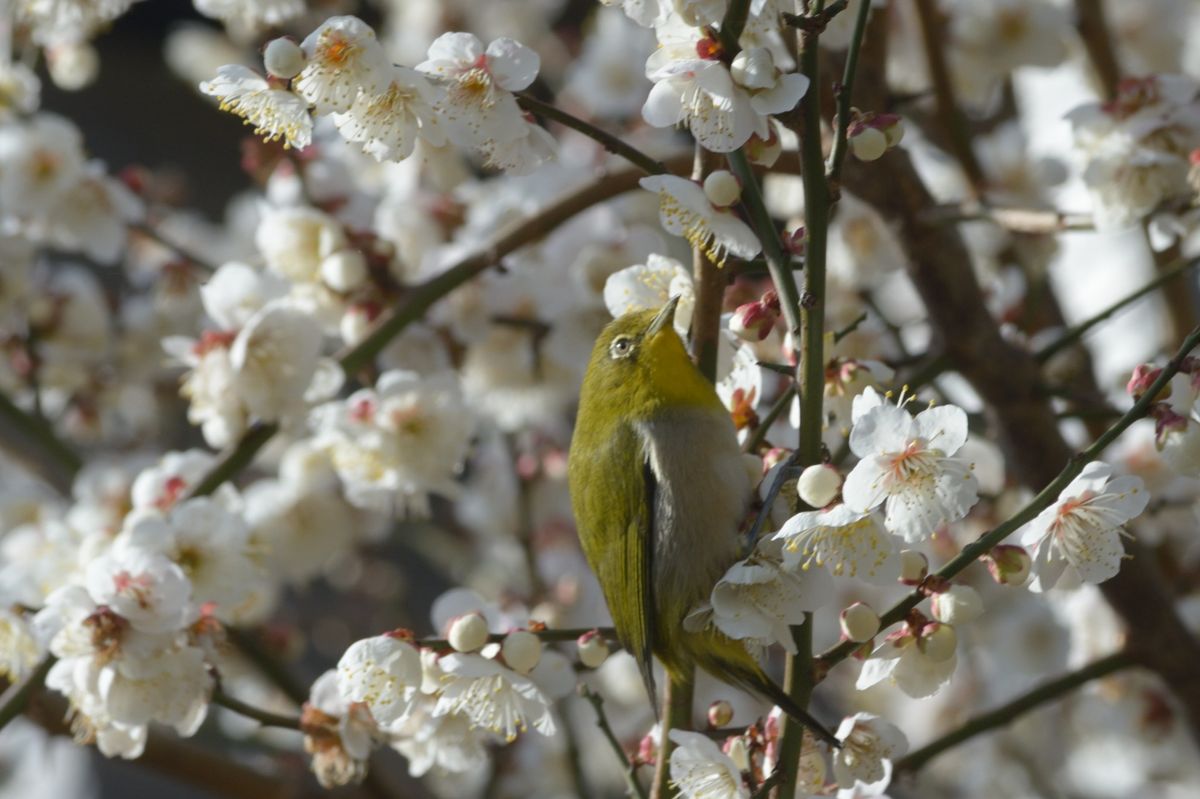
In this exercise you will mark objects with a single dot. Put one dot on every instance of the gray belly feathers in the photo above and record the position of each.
(694, 453)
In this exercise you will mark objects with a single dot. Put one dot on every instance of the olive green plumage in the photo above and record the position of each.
(659, 488)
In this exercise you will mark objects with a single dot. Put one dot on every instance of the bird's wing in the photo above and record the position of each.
(621, 551)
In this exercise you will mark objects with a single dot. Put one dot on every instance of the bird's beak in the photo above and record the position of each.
(665, 316)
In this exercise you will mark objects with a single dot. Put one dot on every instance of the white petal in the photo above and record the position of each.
(513, 64)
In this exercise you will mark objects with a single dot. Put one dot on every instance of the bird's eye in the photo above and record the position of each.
(621, 347)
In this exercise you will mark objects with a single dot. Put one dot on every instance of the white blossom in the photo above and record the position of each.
(1082, 529)
(908, 464)
(276, 113)
(848, 543)
(343, 58)
(387, 122)
(644, 286)
(492, 696)
(684, 210)
(700, 770)
(383, 672)
(869, 747)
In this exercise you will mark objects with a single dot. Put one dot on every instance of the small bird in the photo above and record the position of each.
(659, 488)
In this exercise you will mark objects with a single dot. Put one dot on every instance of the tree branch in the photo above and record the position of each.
(628, 767)
(993, 719)
(614, 144)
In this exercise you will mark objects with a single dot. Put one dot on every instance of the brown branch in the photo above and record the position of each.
(1093, 30)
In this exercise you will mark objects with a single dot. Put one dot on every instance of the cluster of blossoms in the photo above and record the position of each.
(412, 413)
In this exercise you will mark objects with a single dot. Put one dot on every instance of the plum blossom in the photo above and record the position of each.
(848, 543)
(869, 746)
(478, 108)
(384, 673)
(396, 443)
(685, 210)
(275, 112)
(756, 601)
(909, 465)
(1136, 146)
(644, 286)
(492, 696)
(700, 770)
(919, 658)
(1082, 529)
(343, 58)
(338, 733)
(387, 123)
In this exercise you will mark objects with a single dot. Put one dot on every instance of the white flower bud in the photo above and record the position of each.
(894, 132)
(355, 324)
(859, 623)
(819, 484)
(959, 604)
(1009, 564)
(593, 649)
(283, 58)
(868, 144)
(72, 66)
(344, 270)
(521, 650)
(938, 641)
(754, 467)
(722, 188)
(913, 567)
(754, 68)
(764, 152)
(720, 714)
(468, 633)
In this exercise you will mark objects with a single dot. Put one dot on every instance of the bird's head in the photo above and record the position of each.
(640, 364)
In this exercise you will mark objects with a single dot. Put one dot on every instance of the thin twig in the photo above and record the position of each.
(628, 767)
(759, 433)
(264, 717)
(547, 635)
(32, 440)
(14, 701)
(1006, 713)
(1033, 221)
(844, 93)
(1093, 30)
(614, 144)
(1076, 332)
(180, 252)
(1044, 498)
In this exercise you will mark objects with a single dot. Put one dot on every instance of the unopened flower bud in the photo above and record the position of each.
(868, 144)
(355, 324)
(720, 714)
(958, 604)
(859, 622)
(521, 650)
(753, 321)
(647, 751)
(739, 752)
(722, 188)
(468, 633)
(283, 58)
(938, 641)
(344, 270)
(72, 66)
(913, 567)
(796, 241)
(1009, 564)
(592, 648)
(754, 68)
(819, 484)
(893, 130)
(1142, 378)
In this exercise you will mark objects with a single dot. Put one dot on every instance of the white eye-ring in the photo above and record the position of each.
(622, 347)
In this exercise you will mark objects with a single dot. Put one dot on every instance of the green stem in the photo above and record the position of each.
(844, 93)
(1004, 714)
(14, 701)
(798, 677)
(759, 434)
(678, 716)
(628, 767)
(547, 636)
(1077, 332)
(614, 144)
(982, 545)
(234, 460)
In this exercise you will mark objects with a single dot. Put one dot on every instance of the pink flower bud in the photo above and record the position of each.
(1009, 564)
(647, 751)
(1143, 377)
(592, 648)
(868, 144)
(796, 241)
(753, 321)
(720, 714)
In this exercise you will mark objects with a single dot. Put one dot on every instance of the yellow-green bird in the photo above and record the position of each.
(659, 489)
